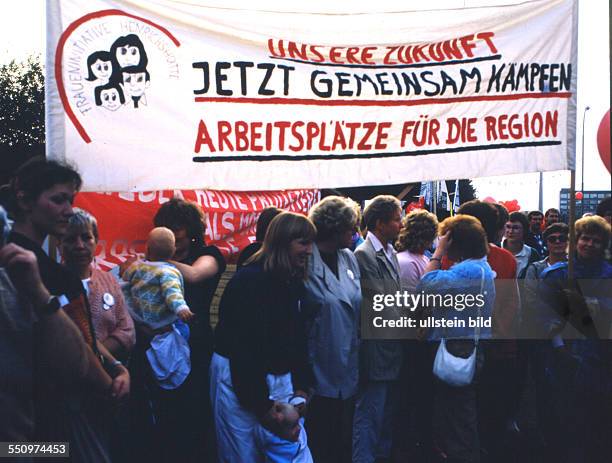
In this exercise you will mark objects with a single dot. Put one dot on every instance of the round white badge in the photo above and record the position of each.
(350, 274)
(109, 301)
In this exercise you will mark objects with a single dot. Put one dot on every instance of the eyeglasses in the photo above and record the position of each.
(557, 239)
(514, 227)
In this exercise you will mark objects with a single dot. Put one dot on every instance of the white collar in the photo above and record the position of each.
(389, 251)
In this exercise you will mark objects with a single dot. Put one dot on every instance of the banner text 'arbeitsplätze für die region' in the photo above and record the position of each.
(149, 96)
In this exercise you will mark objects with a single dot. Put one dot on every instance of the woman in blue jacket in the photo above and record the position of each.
(462, 293)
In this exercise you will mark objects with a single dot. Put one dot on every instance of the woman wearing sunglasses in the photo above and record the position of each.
(555, 236)
(538, 351)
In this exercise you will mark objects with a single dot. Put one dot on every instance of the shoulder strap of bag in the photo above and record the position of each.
(477, 330)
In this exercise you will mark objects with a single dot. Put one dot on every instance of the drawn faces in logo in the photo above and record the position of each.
(110, 96)
(129, 55)
(100, 67)
(135, 82)
(120, 73)
(129, 51)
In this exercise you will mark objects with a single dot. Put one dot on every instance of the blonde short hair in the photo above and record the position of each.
(594, 225)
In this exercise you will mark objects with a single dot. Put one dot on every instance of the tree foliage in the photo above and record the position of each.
(22, 113)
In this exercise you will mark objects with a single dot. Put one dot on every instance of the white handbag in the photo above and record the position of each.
(457, 371)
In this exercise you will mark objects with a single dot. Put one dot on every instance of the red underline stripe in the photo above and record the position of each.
(421, 101)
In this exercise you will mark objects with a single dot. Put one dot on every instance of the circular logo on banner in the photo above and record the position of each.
(107, 60)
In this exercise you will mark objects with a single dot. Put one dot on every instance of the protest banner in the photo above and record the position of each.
(155, 95)
(125, 219)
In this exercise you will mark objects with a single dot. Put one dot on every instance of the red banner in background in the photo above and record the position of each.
(125, 219)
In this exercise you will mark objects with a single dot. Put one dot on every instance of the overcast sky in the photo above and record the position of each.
(22, 31)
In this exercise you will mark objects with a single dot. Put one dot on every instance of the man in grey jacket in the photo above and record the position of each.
(380, 351)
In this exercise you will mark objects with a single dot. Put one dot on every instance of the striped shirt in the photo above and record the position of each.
(157, 292)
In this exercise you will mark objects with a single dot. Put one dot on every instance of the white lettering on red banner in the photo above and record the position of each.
(125, 219)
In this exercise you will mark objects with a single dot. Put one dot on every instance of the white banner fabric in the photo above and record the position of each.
(169, 94)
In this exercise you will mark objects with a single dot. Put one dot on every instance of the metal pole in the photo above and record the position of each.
(572, 229)
(586, 108)
(541, 194)
(434, 194)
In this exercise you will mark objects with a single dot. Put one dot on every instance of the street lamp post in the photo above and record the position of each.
(586, 108)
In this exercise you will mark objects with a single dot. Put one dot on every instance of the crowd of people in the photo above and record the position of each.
(126, 366)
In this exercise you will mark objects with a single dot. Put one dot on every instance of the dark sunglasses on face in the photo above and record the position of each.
(557, 239)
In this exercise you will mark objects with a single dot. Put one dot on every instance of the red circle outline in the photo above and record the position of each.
(59, 52)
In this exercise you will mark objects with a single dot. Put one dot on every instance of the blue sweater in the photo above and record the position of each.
(456, 294)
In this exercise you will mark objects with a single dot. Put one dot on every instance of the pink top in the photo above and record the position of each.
(412, 266)
(108, 310)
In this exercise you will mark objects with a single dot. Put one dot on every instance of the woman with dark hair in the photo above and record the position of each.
(263, 222)
(200, 264)
(41, 196)
(109, 96)
(464, 241)
(99, 67)
(261, 354)
(186, 410)
(128, 50)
